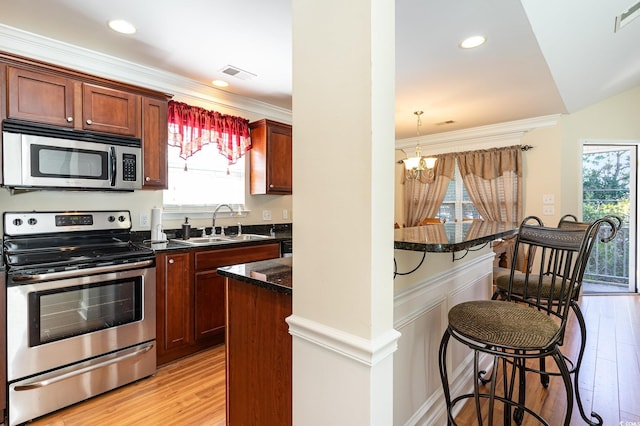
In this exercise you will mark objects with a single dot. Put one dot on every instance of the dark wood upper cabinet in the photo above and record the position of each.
(110, 111)
(48, 94)
(40, 97)
(271, 156)
(154, 143)
(54, 99)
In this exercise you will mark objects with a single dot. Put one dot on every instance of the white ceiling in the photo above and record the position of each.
(542, 57)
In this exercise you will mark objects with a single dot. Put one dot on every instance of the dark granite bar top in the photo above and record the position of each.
(276, 274)
(273, 274)
(451, 237)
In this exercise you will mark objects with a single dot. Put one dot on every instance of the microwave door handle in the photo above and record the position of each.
(113, 161)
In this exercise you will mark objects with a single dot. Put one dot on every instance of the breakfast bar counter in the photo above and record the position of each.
(436, 266)
(452, 237)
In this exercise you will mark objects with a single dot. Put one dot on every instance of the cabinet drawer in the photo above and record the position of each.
(211, 259)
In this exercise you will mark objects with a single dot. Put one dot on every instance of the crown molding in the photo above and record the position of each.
(45, 49)
(510, 132)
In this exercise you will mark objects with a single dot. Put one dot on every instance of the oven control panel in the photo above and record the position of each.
(30, 223)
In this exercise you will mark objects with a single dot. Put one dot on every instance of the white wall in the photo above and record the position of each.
(184, 90)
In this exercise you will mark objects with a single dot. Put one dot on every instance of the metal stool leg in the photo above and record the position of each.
(442, 362)
(476, 389)
(576, 368)
(566, 378)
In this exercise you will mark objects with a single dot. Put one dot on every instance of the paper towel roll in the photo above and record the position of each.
(156, 223)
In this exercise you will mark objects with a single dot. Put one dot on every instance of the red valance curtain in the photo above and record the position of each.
(191, 127)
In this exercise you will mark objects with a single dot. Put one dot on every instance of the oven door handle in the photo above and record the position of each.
(65, 376)
(80, 272)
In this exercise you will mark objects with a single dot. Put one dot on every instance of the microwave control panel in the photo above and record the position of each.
(129, 167)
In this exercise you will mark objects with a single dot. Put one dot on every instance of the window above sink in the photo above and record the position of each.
(207, 182)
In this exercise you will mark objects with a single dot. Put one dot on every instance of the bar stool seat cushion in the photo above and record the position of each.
(497, 323)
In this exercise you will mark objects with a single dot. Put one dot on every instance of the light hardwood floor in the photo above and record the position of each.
(191, 391)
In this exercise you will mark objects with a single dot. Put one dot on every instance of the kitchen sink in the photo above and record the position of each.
(197, 241)
(221, 239)
(249, 237)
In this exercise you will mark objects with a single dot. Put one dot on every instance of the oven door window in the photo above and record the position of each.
(72, 311)
(61, 162)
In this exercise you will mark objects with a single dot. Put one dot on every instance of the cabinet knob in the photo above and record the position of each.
(171, 261)
(147, 178)
(89, 122)
(271, 186)
(69, 119)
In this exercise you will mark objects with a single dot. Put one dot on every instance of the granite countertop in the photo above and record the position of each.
(282, 233)
(451, 237)
(273, 274)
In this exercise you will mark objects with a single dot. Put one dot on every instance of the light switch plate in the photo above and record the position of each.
(548, 199)
(285, 214)
(266, 214)
(548, 210)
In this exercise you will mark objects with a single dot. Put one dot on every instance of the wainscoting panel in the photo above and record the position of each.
(421, 317)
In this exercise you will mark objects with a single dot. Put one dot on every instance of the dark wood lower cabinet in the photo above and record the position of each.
(190, 297)
(174, 306)
(259, 351)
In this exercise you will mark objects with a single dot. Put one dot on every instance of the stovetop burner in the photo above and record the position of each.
(55, 241)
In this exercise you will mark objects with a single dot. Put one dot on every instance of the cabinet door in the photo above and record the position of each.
(154, 143)
(209, 305)
(209, 302)
(110, 111)
(174, 302)
(270, 154)
(40, 97)
(279, 160)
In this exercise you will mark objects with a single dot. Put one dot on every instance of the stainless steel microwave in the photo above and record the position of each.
(40, 157)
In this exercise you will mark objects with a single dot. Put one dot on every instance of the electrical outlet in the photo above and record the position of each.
(144, 219)
(266, 214)
(548, 199)
(285, 214)
(548, 210)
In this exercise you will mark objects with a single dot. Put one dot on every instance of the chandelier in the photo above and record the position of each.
(415, 166)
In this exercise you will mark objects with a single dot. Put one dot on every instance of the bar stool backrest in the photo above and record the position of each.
(554, 275)
(607, 231)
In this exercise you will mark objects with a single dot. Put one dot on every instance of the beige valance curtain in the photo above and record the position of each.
(423, 196)
(493, 179)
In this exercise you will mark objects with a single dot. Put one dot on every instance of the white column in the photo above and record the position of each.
(343, 204)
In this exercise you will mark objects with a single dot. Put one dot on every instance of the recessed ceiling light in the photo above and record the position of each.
(220, 83)
(471, 42)
(121, 26)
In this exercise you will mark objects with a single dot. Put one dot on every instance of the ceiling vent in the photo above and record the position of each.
(627, 16)
(238, 73)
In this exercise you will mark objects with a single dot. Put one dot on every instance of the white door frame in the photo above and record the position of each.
(633, 198)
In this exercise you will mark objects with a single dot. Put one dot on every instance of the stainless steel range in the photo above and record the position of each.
(80, 308)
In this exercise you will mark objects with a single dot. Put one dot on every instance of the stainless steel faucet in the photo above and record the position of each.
(215, 213)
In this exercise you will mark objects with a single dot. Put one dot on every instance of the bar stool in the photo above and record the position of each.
(531, 328)
(502, 285)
